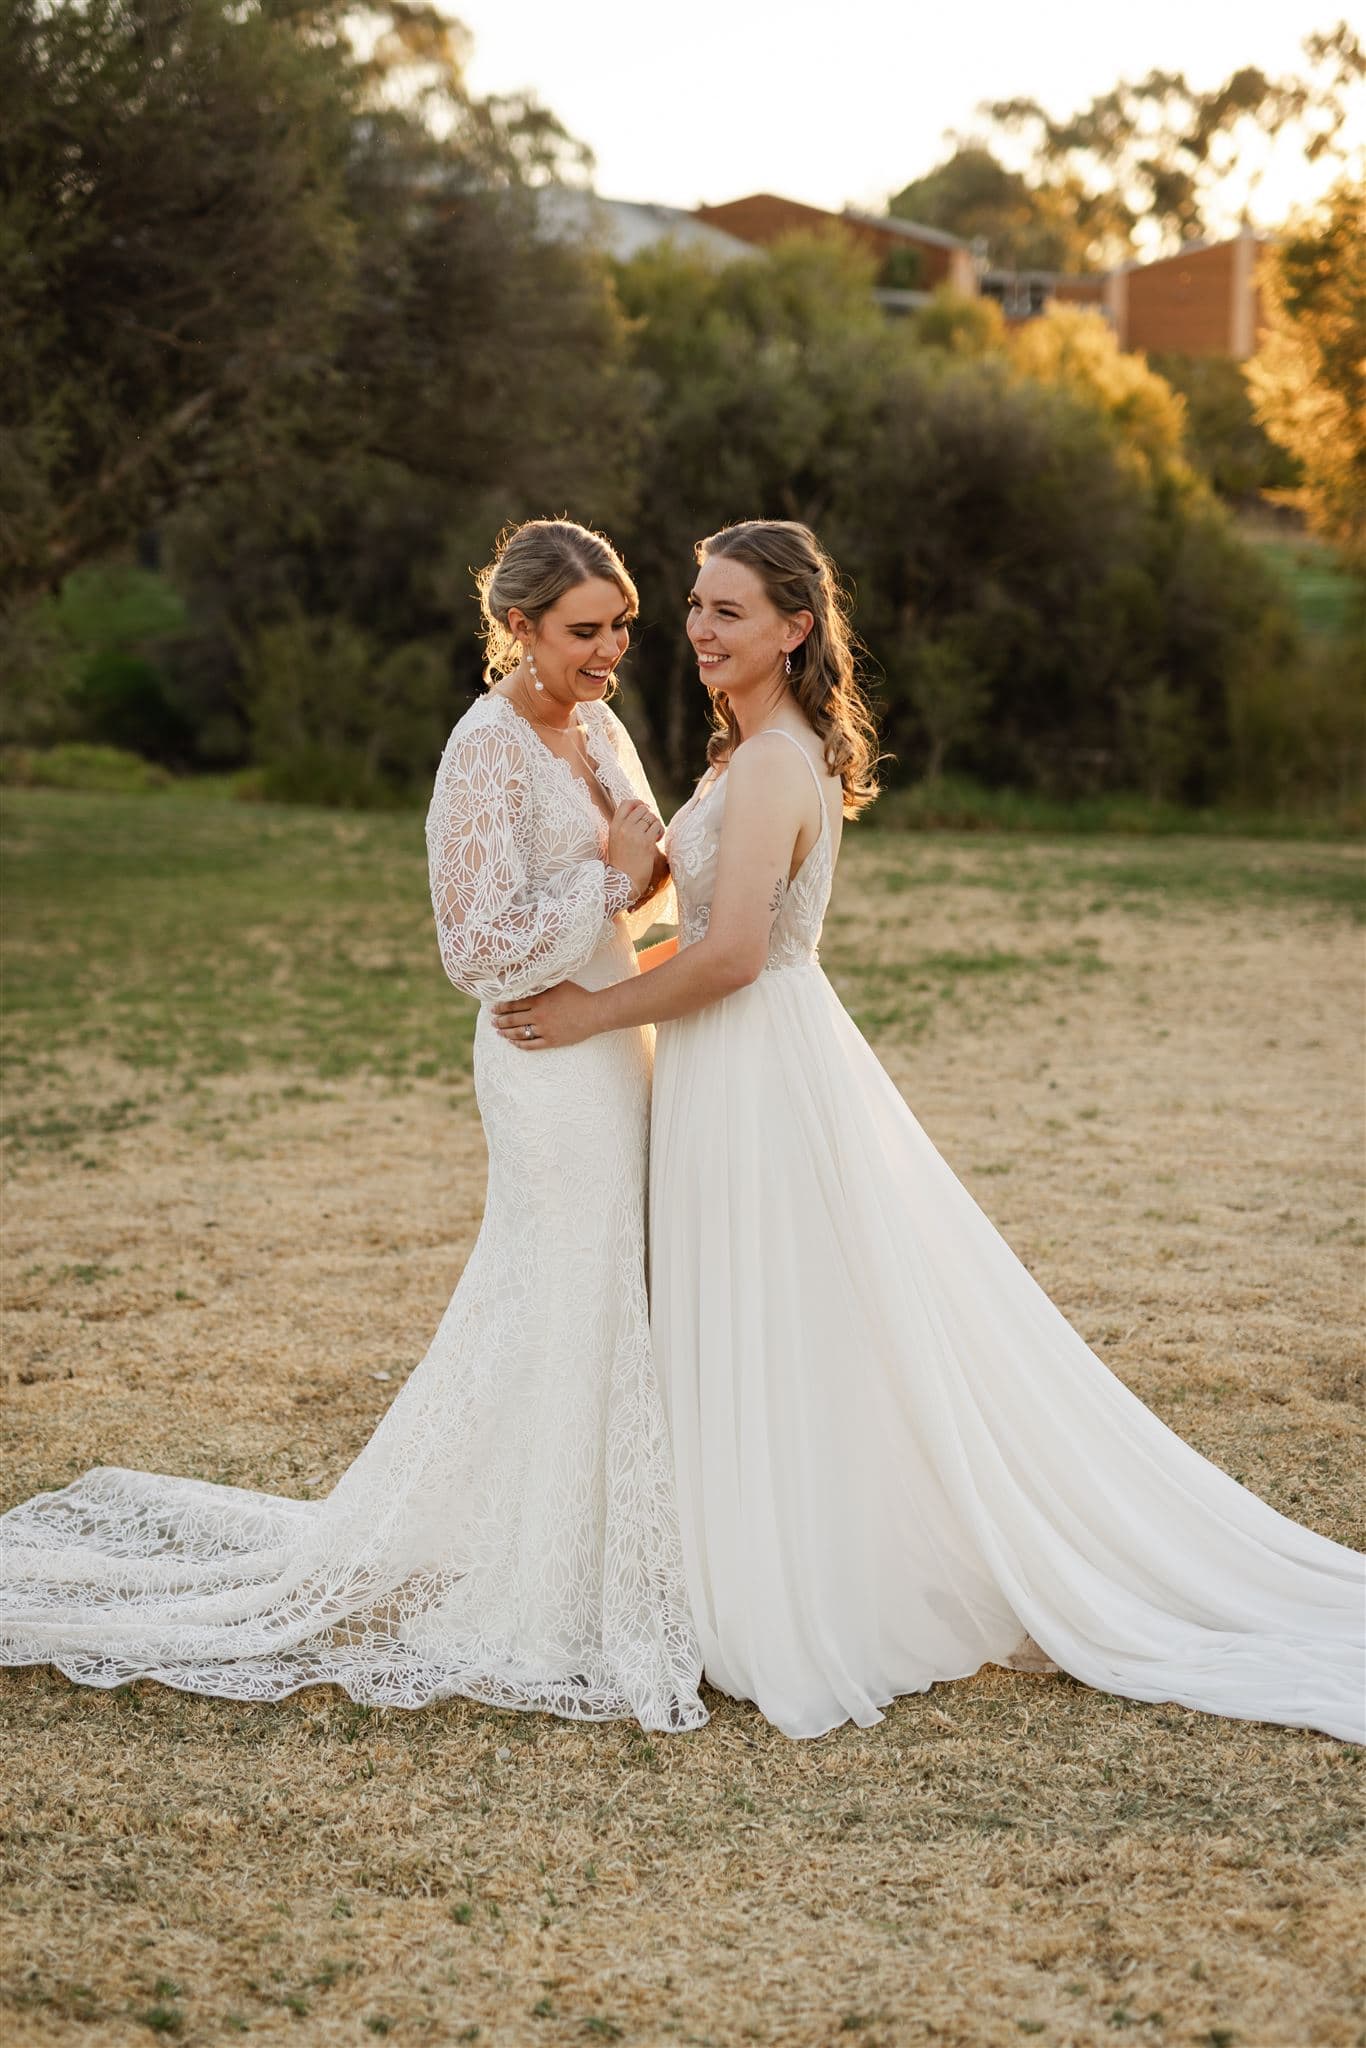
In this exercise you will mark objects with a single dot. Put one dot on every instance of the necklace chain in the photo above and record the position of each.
(546, 724)
(579, 749)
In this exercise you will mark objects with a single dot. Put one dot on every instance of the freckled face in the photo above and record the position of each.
(737, 633)
(579, 641)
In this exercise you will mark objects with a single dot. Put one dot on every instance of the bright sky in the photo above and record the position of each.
(841, 102)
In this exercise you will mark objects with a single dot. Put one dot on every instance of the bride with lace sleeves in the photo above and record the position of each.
(508, 920)
(509, 1532)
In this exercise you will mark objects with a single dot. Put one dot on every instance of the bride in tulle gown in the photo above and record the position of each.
(509, 1532)
(896, 1460)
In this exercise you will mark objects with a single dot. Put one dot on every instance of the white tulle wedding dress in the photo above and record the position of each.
(509, 1532)
(895, 1457)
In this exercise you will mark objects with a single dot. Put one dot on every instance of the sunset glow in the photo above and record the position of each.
(843, 105)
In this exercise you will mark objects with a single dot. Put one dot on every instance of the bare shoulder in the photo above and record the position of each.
(771, 760)
(765, 778)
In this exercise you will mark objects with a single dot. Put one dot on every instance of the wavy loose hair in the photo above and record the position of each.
(533, 565)
(799, 576)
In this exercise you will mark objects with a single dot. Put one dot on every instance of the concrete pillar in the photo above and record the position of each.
(1242, 326)
(1115, 300)
(963, 273)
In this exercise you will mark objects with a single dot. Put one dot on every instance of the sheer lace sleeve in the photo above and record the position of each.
(662, 909)
(504, 931)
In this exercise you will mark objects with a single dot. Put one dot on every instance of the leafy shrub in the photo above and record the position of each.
(1076, 619)
(1073, 349)
(122, 701)
(1224, 438)
(336, 720)
(959, 325)
(84, 663)
(1297, 728)
(41, 670)
(80, 766)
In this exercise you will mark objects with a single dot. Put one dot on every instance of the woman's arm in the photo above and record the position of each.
(658, 898)
(502, 929)
(767, 800)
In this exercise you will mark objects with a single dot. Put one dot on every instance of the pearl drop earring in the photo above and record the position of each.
(535, 673)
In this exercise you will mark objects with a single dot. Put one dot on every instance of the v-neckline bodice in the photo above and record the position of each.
(604, 815)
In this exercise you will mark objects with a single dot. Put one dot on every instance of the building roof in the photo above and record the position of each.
(913, 230)
(1194, 248)
(1093, 278)
(623, 227)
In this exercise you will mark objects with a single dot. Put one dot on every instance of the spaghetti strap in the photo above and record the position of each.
(776, 732)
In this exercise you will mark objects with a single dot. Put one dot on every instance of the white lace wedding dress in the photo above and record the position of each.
(895, 1457)
(509, 1532)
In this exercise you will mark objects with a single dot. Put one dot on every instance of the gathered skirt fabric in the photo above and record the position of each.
(895, 1458)
(508, 1533)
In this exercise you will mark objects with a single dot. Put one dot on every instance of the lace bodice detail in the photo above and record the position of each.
(693, 844)
(517, 852)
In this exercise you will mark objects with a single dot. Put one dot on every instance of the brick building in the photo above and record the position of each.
(1201, 301)
(935, 258)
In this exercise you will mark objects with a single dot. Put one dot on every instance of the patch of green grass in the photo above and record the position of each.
(1317, 584)
(904, 995)
(1327, 878)
(954, 803)
(1092, 879)
(202, 938)
(209, 938)
(163, 2019)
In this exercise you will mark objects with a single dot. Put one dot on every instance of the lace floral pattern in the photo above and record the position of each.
(694, 846)
(509, 1532)
(517, 852)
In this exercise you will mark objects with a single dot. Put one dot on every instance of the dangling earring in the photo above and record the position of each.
(787, 664)
(535, 674)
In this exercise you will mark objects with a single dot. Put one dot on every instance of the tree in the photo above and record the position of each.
(186, 192)
(1225, 441)
(1308, 379)
(1048, 611)
(1159, 150)
(1047, 222)
(322, 452)
(1073, 348)
(174, 256)
(758, 382)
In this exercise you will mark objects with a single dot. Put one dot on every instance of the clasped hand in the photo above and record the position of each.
(563, 1015)
(633, 845)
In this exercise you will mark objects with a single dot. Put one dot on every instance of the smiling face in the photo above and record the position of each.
(578, 642)
(738, 634)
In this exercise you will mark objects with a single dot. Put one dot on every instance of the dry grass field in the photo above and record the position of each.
(243, 1172)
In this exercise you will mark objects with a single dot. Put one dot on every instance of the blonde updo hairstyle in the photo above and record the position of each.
(798, 576)
(533, 565)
